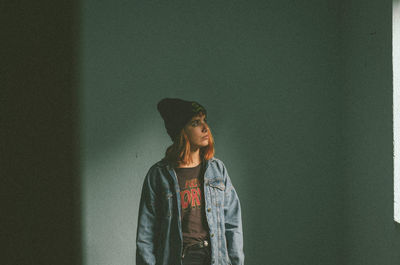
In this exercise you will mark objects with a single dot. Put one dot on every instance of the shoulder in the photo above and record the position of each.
(155, 172)
(159, 164)
(217, 165)
(216, 161)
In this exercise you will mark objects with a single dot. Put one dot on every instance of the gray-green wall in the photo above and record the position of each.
(268, 73)
(372, 236)
(300, 101)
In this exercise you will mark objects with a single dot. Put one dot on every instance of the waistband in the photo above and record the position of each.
(197, 245)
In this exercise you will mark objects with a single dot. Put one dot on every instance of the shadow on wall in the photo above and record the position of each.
(39, 158)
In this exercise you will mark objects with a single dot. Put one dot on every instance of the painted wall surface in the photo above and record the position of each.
(300, 101)
(372, 235)
(267, 73)
(39, 137)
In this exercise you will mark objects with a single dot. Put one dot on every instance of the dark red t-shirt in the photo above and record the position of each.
(194, 221)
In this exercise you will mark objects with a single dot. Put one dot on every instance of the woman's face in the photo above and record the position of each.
(197, 131)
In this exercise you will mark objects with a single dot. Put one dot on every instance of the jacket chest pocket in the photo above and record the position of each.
(217, 190)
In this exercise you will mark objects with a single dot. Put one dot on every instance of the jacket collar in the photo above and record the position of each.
(171, 169)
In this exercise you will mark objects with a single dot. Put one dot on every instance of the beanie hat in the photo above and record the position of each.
(177, 112)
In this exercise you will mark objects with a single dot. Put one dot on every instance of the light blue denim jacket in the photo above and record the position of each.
(159, 235)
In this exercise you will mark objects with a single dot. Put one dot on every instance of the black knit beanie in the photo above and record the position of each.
(177, 112)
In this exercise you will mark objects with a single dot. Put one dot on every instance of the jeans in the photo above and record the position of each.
(199, 256)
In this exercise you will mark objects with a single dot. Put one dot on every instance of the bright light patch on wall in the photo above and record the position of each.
(396, 107)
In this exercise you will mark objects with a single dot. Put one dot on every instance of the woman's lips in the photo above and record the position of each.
(205, 137)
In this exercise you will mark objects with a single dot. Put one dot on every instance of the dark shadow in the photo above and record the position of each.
(39, 153)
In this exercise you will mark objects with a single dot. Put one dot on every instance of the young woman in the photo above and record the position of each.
(189, 211)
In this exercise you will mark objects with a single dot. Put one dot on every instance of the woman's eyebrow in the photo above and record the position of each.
(199, 119)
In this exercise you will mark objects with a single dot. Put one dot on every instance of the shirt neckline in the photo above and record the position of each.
(189, 167)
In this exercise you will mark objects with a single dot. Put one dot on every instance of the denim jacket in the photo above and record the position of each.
(159, 235)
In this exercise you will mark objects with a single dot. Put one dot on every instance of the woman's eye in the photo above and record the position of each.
(195, 123)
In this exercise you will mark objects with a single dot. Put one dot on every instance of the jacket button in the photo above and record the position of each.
(212, 235)
(209, 210)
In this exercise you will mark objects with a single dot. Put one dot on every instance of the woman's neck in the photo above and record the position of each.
(195, 156)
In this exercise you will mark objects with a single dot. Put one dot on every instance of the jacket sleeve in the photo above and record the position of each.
(233, 223)
(147, 223)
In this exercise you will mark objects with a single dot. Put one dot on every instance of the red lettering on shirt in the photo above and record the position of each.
(191, 195)
(195, 198)
(185, 198)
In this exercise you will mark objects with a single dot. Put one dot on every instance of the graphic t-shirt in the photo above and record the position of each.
(194, 222)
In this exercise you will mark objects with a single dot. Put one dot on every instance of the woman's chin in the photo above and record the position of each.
(202, 144)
